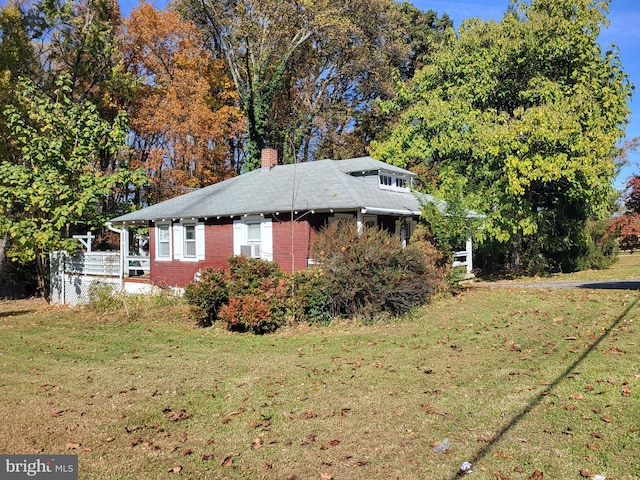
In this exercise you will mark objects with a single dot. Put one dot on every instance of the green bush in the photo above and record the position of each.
(247, 275)
(366, 275)
(208, 294)
(312, 296)
(369, 273)
(249, 295)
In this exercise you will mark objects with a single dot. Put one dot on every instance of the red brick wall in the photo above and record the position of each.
(218, 247)
(282, 244)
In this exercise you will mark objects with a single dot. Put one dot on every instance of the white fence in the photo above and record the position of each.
(72, 275)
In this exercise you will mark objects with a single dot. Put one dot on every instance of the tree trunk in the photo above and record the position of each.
(5, 243)
(42, 270)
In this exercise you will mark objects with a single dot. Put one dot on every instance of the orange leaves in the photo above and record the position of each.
(185, 112)
(176, 416)
(431, 410)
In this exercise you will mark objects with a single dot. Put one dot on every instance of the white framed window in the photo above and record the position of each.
(253, 237)
(163, 241)
(388, 181)
(188, 241)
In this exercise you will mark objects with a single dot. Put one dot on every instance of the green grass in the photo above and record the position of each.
(627, 267)
(518, 380)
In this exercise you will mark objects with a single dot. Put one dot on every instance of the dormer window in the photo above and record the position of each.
(392, 182)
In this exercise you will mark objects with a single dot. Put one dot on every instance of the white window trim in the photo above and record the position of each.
(241, 236)
(393, 178)
(179, 241)
(186, 225)
(163, 258)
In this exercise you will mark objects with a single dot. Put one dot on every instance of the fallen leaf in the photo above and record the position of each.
(175, 469)
(500, 476)
(430, 410)
(626, 391)
(586, 474)
(332, 443)
(187, 452)
(207, 457)
(73, 446)
(537, 475)
(597, 435)
(593, 447)
(606, 419)
(256, 443)
(134, 428)
(137, 441)
(326, 476)
(589, 388)
(228, 461)
(176, 416)
(307, 414)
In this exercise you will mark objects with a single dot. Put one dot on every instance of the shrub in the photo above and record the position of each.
(103, 298)
(208, 294)
(247, 275)
(250, 313)
(369, 273)
(249, 295)
(312, 296)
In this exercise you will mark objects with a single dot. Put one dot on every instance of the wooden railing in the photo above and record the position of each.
(95, 263)
(137, 265)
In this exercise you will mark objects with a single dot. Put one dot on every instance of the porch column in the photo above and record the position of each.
(124, 252)
(469, 249)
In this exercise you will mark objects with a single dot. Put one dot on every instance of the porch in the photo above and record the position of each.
(75, 275)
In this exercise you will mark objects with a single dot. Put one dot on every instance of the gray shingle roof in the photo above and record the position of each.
(321, 185)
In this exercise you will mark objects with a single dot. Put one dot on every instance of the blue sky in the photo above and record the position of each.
(623, 30)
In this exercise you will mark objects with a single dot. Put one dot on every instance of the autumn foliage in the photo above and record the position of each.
(185, 116)
(626, 227)
(367, 275)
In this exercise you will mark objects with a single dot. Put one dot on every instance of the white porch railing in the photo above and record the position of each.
(95, 263)
(463, 258)
(137, 263)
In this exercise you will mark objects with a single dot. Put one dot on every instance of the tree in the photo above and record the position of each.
(530, 111)
(52, 187)
(185, 116)
(306, 72)
(80, 39)
(626, 226)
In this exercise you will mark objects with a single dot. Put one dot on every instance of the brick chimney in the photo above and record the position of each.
(269, 158)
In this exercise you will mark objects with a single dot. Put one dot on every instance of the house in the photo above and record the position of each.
(271, 213)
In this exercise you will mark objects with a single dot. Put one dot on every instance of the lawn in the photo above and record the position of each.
(518, 380)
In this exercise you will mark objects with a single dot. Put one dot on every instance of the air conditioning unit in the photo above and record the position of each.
(250, 251)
